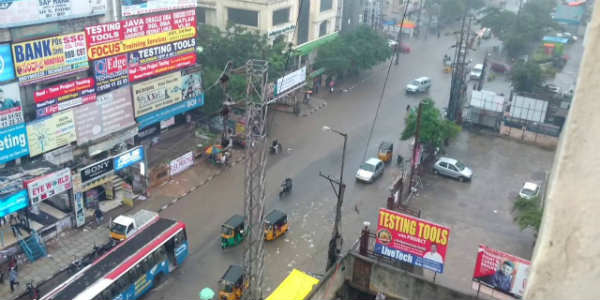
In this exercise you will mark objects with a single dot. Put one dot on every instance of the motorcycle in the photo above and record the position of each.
(286, 187)
(32, 291)
(275, 147)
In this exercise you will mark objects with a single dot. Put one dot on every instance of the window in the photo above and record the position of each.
(323, 28)
(443, 165)
(281, 16)
(201, 16)
(326, 5)
(452, 168)
(242, 17)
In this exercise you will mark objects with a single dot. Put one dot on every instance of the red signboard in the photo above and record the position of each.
(497, 271)
(132, 28)
(412, 240)
(64, 96)
(162, 66)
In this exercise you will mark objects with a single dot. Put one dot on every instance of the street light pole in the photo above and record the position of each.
(336, 242)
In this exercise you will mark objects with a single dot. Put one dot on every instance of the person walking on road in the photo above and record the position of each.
(331, 85)
(12, 275)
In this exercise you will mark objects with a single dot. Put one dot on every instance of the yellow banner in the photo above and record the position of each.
(51, 133)
(114, 48)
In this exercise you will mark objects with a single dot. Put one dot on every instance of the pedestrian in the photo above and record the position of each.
(12, 263)
(12, 276)
(12, 221)
(407, 107)
(331, 85)
(99, 215)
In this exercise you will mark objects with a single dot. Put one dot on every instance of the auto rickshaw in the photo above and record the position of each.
(233, 232)
(275, 224)
(386, 149)
(232, 283)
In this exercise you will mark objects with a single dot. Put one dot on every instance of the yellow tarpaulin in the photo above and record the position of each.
(294, 287)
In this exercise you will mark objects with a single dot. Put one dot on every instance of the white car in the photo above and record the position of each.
(452, 168)
(529, 191)
(419, 85)
(370, 170)
(476, 72)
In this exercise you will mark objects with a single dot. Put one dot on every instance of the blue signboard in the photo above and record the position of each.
(128, 158)
(13, 203)
(170, 111)
(7, 68)
(13, 143)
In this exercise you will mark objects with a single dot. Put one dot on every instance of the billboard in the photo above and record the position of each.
(289, 81)
(181, 163)
(64, 96)
(499, 274)
(162, 66)
(46, 186)
(96, 170)
(138, 7)
(50, 133)
(7, 68)
(412, 240)
(13, 203)
(156, 93)
(48, 58)
(110, 113)
(11, 110)
(152, 54)
(15, 13)
(111, 73)
(13, 143)
(128, 158)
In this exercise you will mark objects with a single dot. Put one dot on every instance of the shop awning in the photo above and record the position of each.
(308, 47)
(294, 287)
(316, 73)
(555, 40)
(407, 24)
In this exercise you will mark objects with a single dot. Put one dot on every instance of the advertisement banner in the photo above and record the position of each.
(290, 80)
(156, 93)
(13, 143)
(412, 240)
(110, 113)
(111, 73)
(64, 96)
(7, 68)
(15, 13)
(162, 66)
(47, 58)
(132, 28)
(119, 47)
(133, 7)
(169, 112)
(13, 203)
(128, 158)
(153, 54)
(181, 163)
(46, 186)
(79, 209)
(96, 170)
(11, 111)
(500, 273)
(51, 132)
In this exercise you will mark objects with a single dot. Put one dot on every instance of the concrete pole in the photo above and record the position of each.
(415, 147)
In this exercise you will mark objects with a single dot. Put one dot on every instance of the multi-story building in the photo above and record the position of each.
(276, 18)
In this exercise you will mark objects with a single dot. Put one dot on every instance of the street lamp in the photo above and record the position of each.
(335, 244)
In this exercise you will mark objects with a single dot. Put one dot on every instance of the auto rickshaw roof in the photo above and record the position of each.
(275, 216)
(235, 221)
(233, 274)
(386, 146)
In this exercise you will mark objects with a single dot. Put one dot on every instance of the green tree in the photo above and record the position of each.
(354, 51)
(526, 77)
(434, 128)
(528, 213)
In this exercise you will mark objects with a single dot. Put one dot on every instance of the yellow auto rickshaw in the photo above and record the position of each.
(386, 149)
(232, 283)
(275, 224)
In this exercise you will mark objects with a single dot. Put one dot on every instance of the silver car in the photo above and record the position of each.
(419, 85)
(452, 168)
(370, 170)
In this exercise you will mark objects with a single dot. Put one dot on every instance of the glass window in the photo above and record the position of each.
(459, 165)
(201, 15)
(367, 167)
(453, 168)
(281, 16)
(326, 5)
(242, 17)
(443, 164)
(118, 228)
(323, 28)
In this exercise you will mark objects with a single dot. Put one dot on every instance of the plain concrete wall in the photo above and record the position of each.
(566, 260)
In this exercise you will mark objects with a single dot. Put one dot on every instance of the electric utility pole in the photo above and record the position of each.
(399, 36)
(413, 161)
(458, 84)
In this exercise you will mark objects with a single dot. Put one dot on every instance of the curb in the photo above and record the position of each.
(313, 110)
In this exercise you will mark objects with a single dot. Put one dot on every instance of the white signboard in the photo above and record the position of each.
(14, 13)
(132, 7)
(182, 163)
(290, 80)
(44, 187)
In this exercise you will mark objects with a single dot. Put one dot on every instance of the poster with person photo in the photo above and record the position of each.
(11, 112)
(500, 272)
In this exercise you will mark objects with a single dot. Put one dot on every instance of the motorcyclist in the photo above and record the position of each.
(275, 147)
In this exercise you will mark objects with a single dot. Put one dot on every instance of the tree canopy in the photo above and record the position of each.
(434, 128)
(526, 77)
(354, 51)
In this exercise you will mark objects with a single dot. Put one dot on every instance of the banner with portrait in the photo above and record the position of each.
(500, 274)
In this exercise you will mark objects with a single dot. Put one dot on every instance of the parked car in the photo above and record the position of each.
(553, 88)
(529, 191)
(476, 72)
(452, 168)
(419, 85)
(499, 67)
(370, 170)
